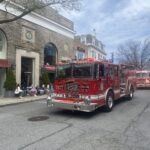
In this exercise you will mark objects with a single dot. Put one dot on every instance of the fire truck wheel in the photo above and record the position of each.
(131, 94)
(109, 102)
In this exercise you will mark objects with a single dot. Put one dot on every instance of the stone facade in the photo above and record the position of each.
(53, 15)
(20, 32)
(43, 36)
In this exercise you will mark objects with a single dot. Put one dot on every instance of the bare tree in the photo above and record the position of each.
(25, 7)
(135, 53)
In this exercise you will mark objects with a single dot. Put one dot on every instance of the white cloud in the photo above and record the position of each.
(115, 21)
(136, 7)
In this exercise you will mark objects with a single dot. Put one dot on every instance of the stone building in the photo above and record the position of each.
(95, 48)
(38, 40)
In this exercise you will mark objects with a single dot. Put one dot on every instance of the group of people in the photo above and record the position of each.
(33, 91)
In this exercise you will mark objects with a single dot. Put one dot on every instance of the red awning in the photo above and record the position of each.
(50, 67)
(4, 63)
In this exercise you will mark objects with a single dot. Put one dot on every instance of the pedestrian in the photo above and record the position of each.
(18, 91)
(33, 91)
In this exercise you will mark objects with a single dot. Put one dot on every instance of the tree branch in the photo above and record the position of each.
(16, 17)
(28, 6)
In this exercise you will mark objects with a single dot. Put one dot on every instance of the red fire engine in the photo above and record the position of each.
(142, 78)
(88, 84)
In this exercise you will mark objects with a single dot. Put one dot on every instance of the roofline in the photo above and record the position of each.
(40, 20)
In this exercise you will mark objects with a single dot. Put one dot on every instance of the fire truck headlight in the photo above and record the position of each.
(87, 100)
(53, 95)
(60, 95)
(84, 96)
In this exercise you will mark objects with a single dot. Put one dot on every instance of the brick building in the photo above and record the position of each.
(38, 40)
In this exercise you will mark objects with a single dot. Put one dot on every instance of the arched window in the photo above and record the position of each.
(3, 50)
(50, 54)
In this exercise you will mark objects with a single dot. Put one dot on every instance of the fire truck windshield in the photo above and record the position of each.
(78, 70)
(82, 70)
(143, 75)
(64, 71)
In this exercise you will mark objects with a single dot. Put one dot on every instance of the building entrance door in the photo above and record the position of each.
(26, 71)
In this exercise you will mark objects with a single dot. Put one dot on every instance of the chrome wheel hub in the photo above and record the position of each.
(110, 102)
(131, 94)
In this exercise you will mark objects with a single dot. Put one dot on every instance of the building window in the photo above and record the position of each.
(93, 54)
(93, 41)
(50, 54)
(99, 56)
(83, 39)
(89, 39)
(80, 55)
(2, 45)
(2, 40)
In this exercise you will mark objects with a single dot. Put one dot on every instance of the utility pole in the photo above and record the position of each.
(112, 57)
(94, 32)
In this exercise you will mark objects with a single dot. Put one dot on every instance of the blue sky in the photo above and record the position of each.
(115, 21)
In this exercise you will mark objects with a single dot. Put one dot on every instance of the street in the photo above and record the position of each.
(125, 128)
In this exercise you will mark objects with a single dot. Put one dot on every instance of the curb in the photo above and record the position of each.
(22, 101)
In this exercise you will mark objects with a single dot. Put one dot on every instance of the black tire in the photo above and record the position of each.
(109, 102)
(131, 94)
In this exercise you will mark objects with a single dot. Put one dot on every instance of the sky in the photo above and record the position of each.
(114, 21)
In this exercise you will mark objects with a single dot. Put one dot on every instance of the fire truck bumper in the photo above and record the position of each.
(143, 85)
(81, 106)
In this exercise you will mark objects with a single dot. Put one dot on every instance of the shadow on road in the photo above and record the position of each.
(77, 114)
(85, 115)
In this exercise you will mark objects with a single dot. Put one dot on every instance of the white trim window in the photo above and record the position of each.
(80, 55)
(93, 54)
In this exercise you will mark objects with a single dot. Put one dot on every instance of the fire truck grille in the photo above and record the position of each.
(72, 96)
(72, 87)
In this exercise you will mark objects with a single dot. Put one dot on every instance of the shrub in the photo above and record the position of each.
(44, 78)
(10, 82)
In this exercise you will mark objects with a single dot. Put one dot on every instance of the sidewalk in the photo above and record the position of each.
(16, 100)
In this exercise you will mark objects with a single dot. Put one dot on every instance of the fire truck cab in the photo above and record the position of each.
(88, 84)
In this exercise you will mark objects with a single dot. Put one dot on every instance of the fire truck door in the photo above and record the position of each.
(114, 78)
(102, 75)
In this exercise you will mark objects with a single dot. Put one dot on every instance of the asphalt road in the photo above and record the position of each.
(125, 128)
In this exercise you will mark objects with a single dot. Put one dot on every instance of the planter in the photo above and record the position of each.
(9, 94)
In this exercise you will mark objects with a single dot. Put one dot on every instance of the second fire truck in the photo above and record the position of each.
(88, 84)
(143, 78)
